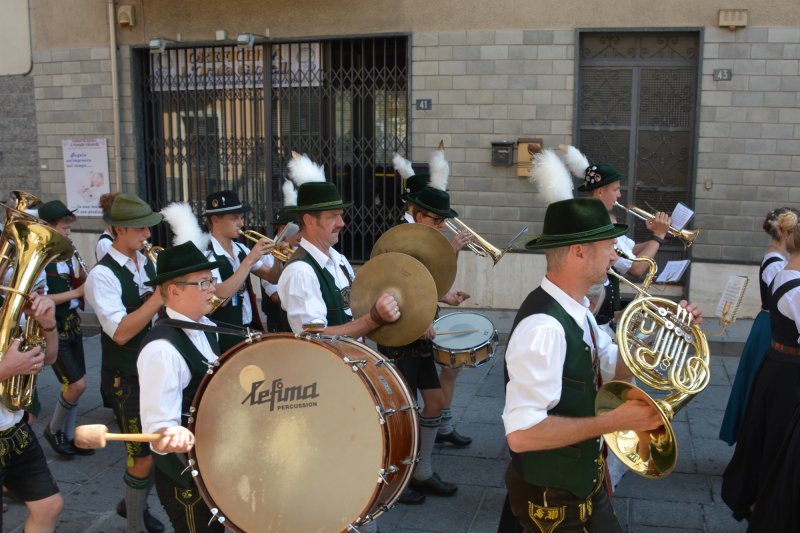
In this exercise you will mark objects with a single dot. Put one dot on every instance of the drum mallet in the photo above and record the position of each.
(96, 435)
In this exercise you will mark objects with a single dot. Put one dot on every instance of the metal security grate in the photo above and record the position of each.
(637, 101)
(224, 117)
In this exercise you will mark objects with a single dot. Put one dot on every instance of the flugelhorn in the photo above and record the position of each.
(665, 350)
(479, 246)
(278, 254)
(686, 236)
(152, 251)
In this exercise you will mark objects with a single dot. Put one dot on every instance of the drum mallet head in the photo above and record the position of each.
(91, 436)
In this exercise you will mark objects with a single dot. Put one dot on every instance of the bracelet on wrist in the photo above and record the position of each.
(658, 239)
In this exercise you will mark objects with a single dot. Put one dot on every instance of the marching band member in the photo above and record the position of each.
(759, 482)
(555, 478)
(224, 216)
(759, 338)
(314, 287)
(106, 239)
(125, 308)
(172, 362)
(602, 182)
(413, 184)
(65, 288)
(270, 300)
(23, 465)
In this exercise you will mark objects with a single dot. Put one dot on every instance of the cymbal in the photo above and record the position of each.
(412, 286)
(425, 244)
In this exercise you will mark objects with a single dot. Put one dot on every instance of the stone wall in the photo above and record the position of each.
(18, 149)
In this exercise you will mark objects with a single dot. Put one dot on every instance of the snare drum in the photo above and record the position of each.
(294, 434)
(464, 339)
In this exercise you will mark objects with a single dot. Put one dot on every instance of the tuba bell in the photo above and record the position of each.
(35, 246)
(665, 350)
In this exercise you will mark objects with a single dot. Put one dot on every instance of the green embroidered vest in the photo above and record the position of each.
(171, 464)
(122, 358)
(331, 294)
(573, 468)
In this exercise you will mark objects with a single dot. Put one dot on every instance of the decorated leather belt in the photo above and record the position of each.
(783, 348)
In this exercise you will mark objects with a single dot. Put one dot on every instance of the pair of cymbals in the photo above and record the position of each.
(416, 265)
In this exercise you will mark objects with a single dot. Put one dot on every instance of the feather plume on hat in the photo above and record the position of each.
(303, 170)
(551, 177)
(576, 162)
(402, 166)
(184, 225)
(439, 169)
(289, 193)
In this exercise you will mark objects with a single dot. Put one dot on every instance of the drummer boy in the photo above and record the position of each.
(172, 361)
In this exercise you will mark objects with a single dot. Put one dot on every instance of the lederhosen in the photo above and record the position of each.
(70, 366)
(555, 489)
(119, 377)
(175, 485)
(230, 314)
(336, 300)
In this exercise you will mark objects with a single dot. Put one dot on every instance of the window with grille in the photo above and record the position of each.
(637, 99)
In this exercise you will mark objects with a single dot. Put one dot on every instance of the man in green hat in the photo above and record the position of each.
(125, 307)
(555, 361)
(65, 287)
(314, 287)
(173, 359)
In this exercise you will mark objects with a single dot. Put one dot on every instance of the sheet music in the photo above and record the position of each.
(673, 271)
(681, 215)
(732, 296)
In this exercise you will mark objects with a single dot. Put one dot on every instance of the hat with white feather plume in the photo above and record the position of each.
(411, 182)
(551, 177)
(314, 193)
(184, 225)
(285, 213)
(593, 176)
(434, 197)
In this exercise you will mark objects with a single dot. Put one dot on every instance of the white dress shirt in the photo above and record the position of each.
(269, 288)
(625, 244)
(299, 291)
(104, 291)
(773, 268)
(163, 374)
(103, 245)
(535, 360)
(247, 309)
(789, 304)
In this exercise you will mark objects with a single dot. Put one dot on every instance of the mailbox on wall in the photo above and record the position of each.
(503, 153)
(526, 149)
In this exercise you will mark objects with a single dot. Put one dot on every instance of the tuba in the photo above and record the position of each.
(35, 246)
(666, 351)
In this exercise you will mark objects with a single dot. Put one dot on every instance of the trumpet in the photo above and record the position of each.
(79, 259)
(255, 236)
(152, 251)
(687, 237)
(479, 246)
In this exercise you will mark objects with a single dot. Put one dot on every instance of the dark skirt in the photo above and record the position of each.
(773, 402)
(753, 354)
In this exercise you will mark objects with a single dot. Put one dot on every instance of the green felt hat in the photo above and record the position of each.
(433, 200)
(179, 261)
(284, 216)
(317, 196)
(599, 175)
(414, 184)
(575, 221)
(52, 211)
(130, 211)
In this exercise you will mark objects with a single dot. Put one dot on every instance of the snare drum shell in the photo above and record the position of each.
(466, 349)
(294, 434)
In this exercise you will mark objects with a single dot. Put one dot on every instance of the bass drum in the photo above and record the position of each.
(302, 434)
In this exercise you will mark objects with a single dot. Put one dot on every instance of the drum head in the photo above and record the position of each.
(288, 438)
(477, 329)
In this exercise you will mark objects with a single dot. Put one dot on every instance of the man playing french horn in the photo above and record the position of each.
(556, 360)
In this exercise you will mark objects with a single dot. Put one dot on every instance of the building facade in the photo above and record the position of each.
(690, 110)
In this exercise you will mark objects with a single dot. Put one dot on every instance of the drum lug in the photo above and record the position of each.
(381, 414)
(216, 515)
(357, 364)
(389, 412)
(380, 362)
(189, 467)
(383, 473)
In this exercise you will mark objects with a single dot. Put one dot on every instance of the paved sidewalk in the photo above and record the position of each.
(686, 501)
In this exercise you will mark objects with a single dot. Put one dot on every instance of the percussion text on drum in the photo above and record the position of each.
(278, 394)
